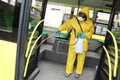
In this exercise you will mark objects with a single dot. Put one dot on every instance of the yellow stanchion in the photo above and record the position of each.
(109, 62)
(29, 55)
(116, 53)
(29, 42)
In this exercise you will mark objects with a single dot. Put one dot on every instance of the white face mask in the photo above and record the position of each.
(80, 19)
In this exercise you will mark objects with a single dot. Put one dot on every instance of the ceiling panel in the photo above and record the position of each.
(90, 3)
(73, 2)
(93, 3)
(70, 2)
(107, 4)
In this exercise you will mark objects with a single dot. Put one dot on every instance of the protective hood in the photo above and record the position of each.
(86, 11)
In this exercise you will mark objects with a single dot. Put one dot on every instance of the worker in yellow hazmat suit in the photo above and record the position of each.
(87, 26)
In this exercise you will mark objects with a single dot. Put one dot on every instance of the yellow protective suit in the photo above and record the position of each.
(88, 29)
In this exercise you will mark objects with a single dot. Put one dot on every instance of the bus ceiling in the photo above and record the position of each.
(100, 4)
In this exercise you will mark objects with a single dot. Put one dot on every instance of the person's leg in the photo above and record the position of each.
(80, 63)
(70, 60)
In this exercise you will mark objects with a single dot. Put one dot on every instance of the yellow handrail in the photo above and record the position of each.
(29, 55)
(109, 62)
(116, 53)
(29, 42)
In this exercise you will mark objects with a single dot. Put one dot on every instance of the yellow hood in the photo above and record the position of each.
(86, 11)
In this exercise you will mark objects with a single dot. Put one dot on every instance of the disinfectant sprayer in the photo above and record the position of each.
(79, 45)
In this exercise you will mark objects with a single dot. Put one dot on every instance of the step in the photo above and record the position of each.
(92, 58)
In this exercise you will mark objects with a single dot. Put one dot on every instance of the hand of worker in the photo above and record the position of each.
(57, 31)
(83, 35)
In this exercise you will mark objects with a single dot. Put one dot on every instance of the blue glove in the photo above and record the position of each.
(57, 31)
(83, 35)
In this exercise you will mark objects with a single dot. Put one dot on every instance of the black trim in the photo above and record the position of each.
(40, 28)
(22, 38)
(79, 2)
(107, 43)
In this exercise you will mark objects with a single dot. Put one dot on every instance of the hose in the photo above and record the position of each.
(29, 42)
(47, 38)
(109, 62)
(116, 54)
(29, 55)
(52, 36)
(68, 43)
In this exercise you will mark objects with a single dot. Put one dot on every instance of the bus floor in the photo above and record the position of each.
(54, 71)
(50, 70)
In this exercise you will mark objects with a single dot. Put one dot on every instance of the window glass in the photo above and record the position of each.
(12, 2)
(54, 15)
(103, 17)
(5, 0)
(91, 12)
(102, 23)
(35, 17)
(6, 16)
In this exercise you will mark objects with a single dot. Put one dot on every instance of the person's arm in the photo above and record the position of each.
(65, 26)
(89, 34)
